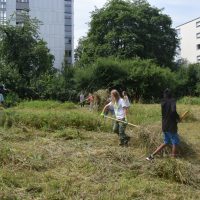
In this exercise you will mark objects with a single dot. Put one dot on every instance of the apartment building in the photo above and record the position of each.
(189, 35)
(57, 19)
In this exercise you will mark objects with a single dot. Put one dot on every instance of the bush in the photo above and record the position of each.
(12, 99)
(141, 78)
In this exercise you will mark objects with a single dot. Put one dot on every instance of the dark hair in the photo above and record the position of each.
(167, 93)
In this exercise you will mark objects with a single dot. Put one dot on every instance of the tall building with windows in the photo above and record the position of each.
(189, 37)
(57, 27)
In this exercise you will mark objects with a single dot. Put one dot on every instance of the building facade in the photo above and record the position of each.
(57, 27)
(189, 36)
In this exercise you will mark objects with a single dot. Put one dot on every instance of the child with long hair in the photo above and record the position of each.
(120, 110)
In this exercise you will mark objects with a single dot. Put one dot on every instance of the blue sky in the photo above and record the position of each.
(180, 11)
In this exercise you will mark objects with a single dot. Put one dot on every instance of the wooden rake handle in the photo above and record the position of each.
(118, 120)
(184, 115)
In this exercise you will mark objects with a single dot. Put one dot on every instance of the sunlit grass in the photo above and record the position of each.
(49, 151)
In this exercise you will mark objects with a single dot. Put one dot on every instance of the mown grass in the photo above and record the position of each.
(81, 159)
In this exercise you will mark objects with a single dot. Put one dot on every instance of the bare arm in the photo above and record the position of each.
(105, 107)
(125, 112)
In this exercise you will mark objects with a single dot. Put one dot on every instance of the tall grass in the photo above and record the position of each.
(46, 105)
(144, 114)
(52, 120)
(190, 100)
(52, 115)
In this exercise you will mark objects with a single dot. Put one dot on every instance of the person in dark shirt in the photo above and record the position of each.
(170, 118)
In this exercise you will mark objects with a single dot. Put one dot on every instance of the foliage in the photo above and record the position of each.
(12, 99)
(188, 79)
(141, 78)
(24, 56)
(128, 29)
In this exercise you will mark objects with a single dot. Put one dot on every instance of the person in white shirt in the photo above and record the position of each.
(1, 99)
(120, 110)
(126, 99)
(2, 90)
(82, 99)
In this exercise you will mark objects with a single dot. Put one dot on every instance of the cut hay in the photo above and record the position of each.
(100, 99)
(149, 138)
(174, 170)
(190, 117)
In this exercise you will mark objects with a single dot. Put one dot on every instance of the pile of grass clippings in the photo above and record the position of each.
(149, 138)
(177, 170)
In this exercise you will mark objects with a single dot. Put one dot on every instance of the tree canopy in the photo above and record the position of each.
(127, 29)
(24, 56)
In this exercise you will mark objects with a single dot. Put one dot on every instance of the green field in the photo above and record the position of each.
(54, 151)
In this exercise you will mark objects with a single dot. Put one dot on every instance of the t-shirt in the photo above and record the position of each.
(169, 115)
(91, 99)
(1, 98)
(127, 102)
(118, 108)
(81, 98)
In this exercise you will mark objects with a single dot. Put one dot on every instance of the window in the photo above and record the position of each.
(21, 12)
(198, 24)
(68, 28)
(198, 46)
(68, 16)
(2, 17)
(68, 10)
(68, 53)
(198, 58)
(68, 40)
(198, 35)
(68, 22)
(3, 6)
(22, 1)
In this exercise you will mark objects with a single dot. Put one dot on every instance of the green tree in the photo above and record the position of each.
(193, 79)
(128, 29)
(24, 53)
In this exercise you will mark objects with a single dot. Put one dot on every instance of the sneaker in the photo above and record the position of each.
(150, 158)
